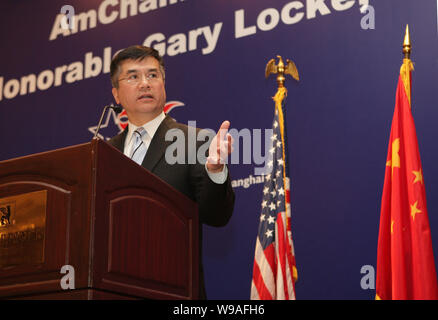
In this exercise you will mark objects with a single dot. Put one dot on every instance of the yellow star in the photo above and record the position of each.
(392, 226)
(418, 176)
(395, 158)
(414, 210)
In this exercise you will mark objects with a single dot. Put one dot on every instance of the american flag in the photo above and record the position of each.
(274, 272)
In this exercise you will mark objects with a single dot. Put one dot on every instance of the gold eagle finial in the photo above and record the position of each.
(281, 69)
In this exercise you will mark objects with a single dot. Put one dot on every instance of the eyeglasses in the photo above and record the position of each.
(136, 78)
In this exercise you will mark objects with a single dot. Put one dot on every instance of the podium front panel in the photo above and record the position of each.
(146, 233)
(48, 205)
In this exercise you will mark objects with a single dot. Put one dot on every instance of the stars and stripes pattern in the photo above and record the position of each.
(274, 271)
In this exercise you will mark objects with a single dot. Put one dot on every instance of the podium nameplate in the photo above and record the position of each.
(22, 229)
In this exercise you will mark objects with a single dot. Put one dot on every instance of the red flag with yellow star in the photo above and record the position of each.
(405, 262)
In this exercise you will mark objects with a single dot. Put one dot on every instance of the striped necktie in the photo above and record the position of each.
(139, 148)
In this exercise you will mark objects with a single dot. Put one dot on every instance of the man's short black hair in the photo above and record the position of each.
(136, 52)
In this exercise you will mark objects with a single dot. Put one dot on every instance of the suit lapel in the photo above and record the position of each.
(119, 140)
(158, 145)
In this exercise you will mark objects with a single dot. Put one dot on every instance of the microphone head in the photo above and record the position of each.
(117, 109)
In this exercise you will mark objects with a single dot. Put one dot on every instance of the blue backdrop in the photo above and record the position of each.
(54, 84)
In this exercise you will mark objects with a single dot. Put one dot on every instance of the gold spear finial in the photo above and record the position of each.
(281, 69)
(407, 66)
(407, 44)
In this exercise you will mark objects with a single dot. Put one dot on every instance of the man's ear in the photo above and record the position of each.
(116, 95)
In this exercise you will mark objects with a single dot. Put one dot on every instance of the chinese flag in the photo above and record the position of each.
(405, 262)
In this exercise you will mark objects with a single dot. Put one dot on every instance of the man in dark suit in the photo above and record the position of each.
(137, 75)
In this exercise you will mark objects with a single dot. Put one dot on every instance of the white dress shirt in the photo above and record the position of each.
(151, 127)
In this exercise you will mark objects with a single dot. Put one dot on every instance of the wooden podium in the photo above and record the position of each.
(126, 233)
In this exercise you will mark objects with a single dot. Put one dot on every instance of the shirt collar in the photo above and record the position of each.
(151, 127)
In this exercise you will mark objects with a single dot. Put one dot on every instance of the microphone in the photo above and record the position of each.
(117, 110)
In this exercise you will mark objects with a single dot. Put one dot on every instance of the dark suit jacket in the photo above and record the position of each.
(215, 201)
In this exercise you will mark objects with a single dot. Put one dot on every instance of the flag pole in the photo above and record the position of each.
(281, 70)
(275, 272)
